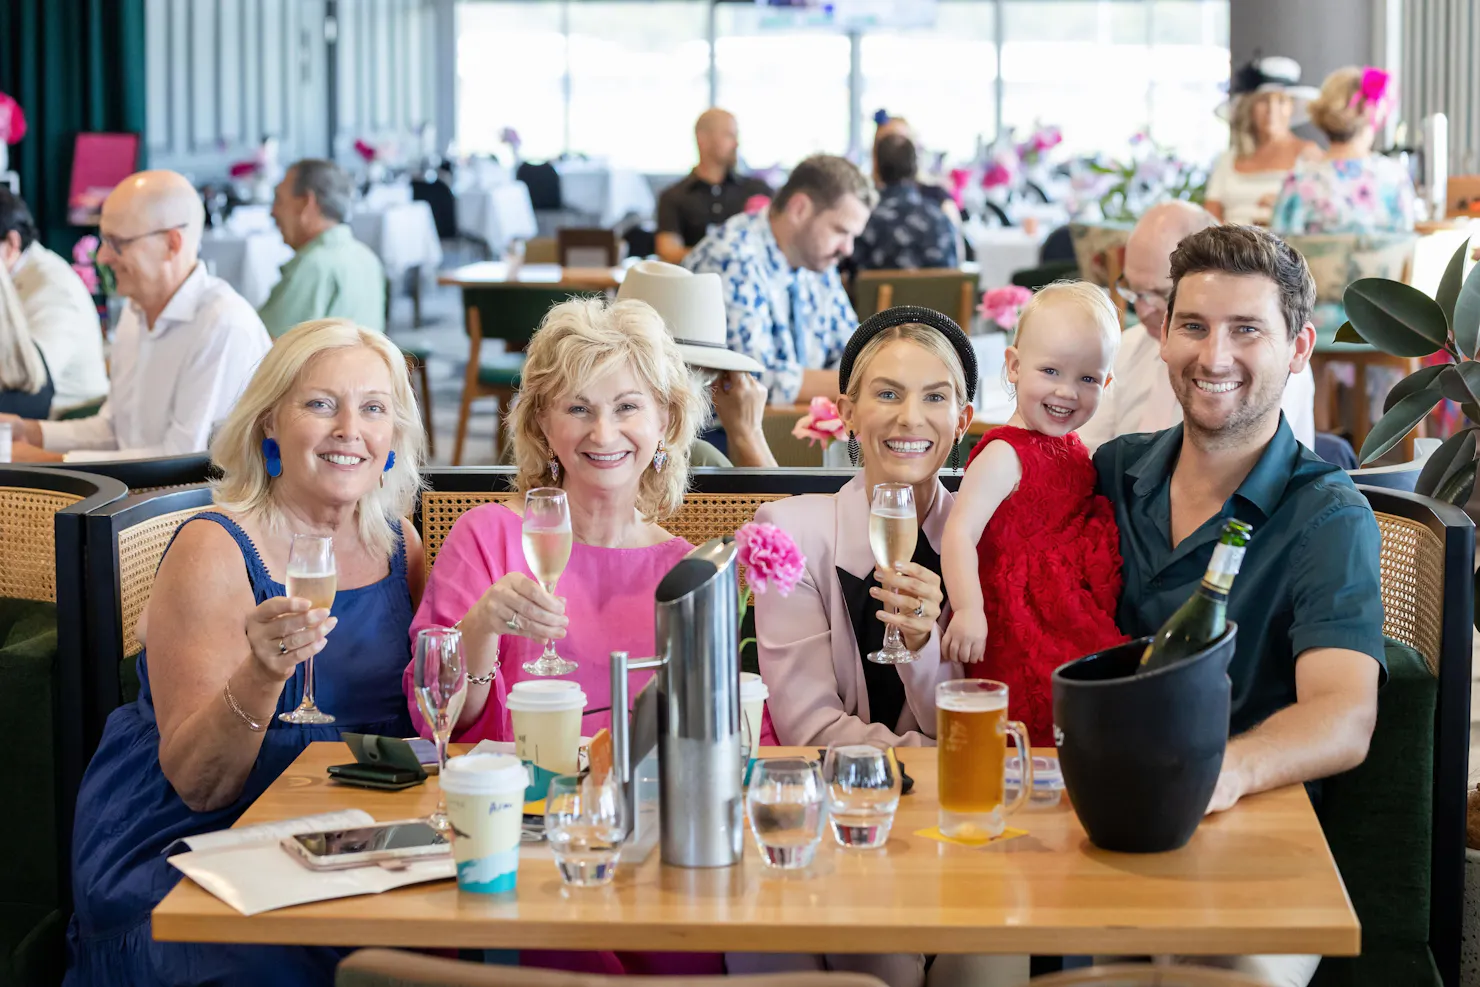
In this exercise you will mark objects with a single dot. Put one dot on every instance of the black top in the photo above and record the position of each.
(885, 689)
(690, 206)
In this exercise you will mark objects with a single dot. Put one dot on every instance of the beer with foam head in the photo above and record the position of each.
(971, 750)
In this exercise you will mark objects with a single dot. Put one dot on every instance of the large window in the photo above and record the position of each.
(624, 79)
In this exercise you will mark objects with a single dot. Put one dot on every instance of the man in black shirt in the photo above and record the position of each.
(708, 195)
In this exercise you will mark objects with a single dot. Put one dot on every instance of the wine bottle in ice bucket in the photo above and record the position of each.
(1200, 621)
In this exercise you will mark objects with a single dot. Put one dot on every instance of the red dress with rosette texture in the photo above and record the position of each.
(1049, 562)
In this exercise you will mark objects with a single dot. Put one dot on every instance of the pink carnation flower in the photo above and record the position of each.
(821, 424)
(243, 168)
(1004, 305)
(770, 558)
(365, 150)
(12, 120)
(996, 175)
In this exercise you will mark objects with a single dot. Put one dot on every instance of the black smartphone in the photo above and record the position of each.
(386, 777)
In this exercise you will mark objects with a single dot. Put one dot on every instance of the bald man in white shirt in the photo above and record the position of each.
(1140, 397)
(186, 346)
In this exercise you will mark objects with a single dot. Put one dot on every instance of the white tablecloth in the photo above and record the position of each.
(403, 236)
(249, 262)
(384, 196)
(1002, 251)
(605, 193)
(497, 215)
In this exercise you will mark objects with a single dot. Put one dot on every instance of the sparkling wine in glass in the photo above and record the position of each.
(547, 550)
(311, 577)
(892, 530)
(440, 677)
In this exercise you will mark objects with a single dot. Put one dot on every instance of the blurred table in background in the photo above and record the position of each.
(1002, 251)
(606, 194)
(497, 273)
(496, 214)
(249, 261)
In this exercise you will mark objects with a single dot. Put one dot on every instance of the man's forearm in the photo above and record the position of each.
(1303, 742)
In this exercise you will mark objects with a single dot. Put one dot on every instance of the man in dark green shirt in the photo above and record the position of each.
(331, 275)
(1307, 601)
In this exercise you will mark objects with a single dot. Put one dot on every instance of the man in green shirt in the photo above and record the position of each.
(331, 275)
(1308, 601)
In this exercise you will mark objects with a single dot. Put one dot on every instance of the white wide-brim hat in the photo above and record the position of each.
(693, 309)
(1272, 74)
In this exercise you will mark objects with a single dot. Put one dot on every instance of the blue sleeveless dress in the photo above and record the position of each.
(128, 814)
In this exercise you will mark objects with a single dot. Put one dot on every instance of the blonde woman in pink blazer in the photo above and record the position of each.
(908, 377)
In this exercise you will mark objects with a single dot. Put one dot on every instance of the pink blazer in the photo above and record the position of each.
(808, 653)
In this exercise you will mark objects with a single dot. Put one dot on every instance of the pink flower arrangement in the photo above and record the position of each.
(244, 169)
(770, 558)
(757, 204)
(822, 423)
(996, 175)
(365, 150)
(1004, 306)
(12, 120)
(83, 253)
(1043, 139)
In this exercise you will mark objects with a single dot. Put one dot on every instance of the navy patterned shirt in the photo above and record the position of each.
(906, 231)
(789, 320)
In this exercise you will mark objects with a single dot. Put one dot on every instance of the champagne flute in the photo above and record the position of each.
(892, 531)
(311, 576)
(547, 550)
(440, 677)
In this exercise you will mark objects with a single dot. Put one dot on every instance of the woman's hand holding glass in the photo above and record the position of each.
(284, 631)
(907, 589)
(516, 604)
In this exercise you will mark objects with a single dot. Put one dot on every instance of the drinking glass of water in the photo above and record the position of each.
(311, 577)
(440, 676)
(547, 549)
(892, 532)
(863, 787)
(585, 821)
(784, 803)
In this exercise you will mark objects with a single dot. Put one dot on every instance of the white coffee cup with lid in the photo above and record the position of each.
(753, 696)
(546, 715)
(485, 805)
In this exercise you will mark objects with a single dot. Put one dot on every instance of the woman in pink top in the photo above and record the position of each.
(607, 411)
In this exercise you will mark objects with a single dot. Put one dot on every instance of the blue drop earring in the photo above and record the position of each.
(390, 460)
(272, 457)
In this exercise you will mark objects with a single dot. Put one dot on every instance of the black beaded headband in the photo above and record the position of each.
(898, 316)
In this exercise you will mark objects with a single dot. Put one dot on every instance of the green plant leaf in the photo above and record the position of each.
(1471, 411)
(1457, 450)
(1450, 283)
(1348, 334)
(1457, 489)
(1460, 382)
(1398, 422)
(1467, 314)
(1395, 317)
(1415, 381)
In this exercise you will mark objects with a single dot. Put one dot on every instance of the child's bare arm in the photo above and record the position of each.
(990, 479)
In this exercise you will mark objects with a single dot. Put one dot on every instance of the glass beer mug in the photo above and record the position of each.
(971, 747)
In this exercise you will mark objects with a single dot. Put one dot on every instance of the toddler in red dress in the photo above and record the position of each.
(1031, 554)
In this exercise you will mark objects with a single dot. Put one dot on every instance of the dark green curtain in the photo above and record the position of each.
(74, 66)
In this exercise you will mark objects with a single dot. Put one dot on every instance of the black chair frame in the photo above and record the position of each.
(72, 752)
(1456, 532)
(168, 471)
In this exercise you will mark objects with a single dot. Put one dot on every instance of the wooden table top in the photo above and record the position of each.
(499, 274)
(1258, 879)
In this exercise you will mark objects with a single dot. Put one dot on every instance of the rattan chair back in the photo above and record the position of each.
(28, 555)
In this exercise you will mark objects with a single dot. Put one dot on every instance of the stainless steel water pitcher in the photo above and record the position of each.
(702, 805)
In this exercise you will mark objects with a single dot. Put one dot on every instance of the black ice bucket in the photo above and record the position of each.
(1141, 753)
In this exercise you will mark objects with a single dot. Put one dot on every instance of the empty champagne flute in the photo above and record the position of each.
(892, 531)
(785, 806)
(547, 549)
(863, 787)
(440, 677)
(311, 576)
(585, 823)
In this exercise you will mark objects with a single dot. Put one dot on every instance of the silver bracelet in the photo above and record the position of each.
(487, 678)
(255, 726)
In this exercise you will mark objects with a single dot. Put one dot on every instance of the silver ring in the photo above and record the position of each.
(513, 622)
(920, 610)
(282, 646)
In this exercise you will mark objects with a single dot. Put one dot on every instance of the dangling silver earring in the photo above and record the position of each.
(554, 465)
(855, 454)
(660, 458)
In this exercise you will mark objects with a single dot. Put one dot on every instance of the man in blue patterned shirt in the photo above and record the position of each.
(784, 301)
(907, 230)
